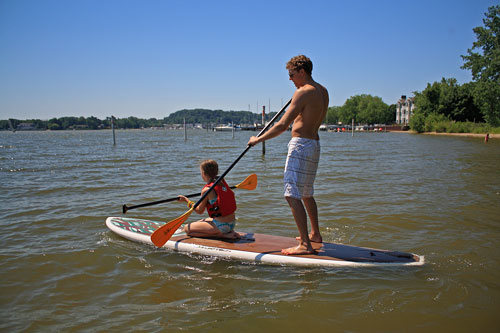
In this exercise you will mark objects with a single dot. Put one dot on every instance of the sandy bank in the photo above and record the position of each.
(472, 135)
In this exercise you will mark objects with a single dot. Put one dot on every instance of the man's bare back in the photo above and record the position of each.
(312, 101)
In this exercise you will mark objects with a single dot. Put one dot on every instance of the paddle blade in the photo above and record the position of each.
(250, 183)
(165, 232)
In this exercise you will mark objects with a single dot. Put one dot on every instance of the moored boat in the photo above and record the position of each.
(227, 128)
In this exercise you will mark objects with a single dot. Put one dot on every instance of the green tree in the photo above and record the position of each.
(391, 114)
(332, 115)
(365, 109)
(427, 101)
(349, 110)
(67, 122)
(54, 126)
(449, 99)
(373, 110)
(4, 125)
(93, 122)
(483, 60)
(457, 102)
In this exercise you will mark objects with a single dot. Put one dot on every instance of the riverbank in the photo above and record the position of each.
(472, 135)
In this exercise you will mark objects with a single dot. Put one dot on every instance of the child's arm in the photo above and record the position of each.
(202, 206)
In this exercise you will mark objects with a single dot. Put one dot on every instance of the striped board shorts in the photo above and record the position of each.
(300, 168)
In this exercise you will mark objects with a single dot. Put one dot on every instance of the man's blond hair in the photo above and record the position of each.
(300, 62)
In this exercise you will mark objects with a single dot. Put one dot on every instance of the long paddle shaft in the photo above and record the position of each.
(248, 184)
(161, 235)
(126, 208)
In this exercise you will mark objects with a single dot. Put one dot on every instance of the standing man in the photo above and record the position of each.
(307, 111)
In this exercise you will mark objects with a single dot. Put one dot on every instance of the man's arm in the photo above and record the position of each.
(295, 108)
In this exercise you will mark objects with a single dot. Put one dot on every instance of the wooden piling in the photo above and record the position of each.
(264, 125)
(185, 130)
(113, 129)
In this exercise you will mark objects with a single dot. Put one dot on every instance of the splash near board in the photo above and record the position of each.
(264, 248)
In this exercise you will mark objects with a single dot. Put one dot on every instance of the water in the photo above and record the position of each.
(62, 270)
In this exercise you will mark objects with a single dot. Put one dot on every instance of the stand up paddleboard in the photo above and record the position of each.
(264, 248)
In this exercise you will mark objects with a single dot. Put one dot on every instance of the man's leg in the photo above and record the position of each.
(299, 214)
(312, 212)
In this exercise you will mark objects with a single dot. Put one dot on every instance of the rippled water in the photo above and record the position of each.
(61, 269)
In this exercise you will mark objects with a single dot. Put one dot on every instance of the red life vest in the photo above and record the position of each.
(225, 204)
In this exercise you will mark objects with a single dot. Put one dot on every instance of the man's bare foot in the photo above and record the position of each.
(299, 249)
(313, 238)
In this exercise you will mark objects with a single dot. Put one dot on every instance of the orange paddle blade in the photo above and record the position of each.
(165, 232)
(250, 183)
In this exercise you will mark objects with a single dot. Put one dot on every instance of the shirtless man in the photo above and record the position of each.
(307, 111)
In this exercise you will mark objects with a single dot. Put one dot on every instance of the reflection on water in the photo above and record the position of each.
(62, 270)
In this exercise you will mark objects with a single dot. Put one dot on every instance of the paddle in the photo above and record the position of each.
(161, 235)
(250, 183)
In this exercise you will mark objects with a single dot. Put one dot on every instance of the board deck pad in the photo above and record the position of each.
(264, 248)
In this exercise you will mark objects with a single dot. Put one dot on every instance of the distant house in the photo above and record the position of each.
(404, 110)
(25, 127)
(79, 127)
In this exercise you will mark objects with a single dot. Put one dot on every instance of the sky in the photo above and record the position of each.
(149, 58)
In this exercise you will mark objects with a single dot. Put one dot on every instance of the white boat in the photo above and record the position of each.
(226, 128)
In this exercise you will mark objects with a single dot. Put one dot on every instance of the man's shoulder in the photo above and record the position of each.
(305, 91)
(310, 91)
(311, 88)
(307, 88)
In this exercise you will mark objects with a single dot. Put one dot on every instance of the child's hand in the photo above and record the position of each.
(189, 202)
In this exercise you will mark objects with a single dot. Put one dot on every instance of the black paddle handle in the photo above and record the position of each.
(242, 154)
(125, 208)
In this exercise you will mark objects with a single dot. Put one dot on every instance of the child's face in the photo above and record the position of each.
(204, 176)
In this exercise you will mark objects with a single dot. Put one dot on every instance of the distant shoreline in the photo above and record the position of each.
(472, 135)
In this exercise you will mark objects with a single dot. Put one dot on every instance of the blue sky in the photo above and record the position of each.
(151, 58)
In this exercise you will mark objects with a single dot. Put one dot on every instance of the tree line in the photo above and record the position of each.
(447, 106)
(196, 116)
(365, 109)
(65, 123)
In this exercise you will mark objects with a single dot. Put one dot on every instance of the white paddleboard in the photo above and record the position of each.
(264, 248)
